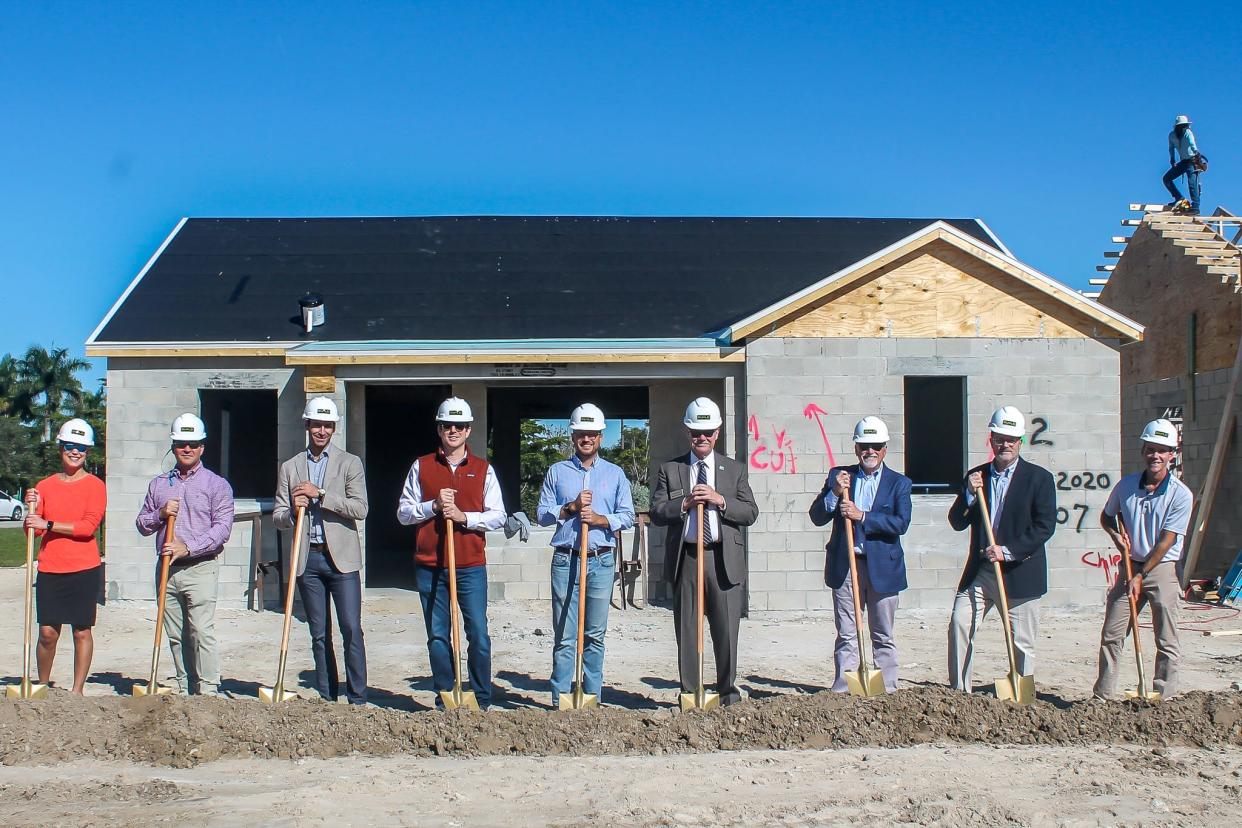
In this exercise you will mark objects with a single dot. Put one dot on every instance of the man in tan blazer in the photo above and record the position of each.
(720, 484)
(330, 484)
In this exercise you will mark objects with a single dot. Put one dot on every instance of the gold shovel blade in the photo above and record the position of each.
(458, 698)
(25, 690)
(698, 701)
(1153, 696)
(270, 695)
(865, 683)
(1025, 687)
(140, 690)
(577, 700)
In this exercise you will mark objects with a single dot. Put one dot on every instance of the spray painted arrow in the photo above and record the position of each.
(814, 412)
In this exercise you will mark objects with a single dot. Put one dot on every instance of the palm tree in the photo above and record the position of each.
(49, 377)
(15, 398)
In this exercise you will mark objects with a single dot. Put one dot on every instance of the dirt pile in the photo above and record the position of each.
(181, 732)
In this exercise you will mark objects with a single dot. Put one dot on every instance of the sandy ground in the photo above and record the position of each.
(946, 782)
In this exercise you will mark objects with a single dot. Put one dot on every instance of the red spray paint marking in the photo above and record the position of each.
(1106, 562)
(763, 458)
(814, 412)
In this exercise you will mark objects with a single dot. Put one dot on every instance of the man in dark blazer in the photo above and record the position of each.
(1022, 501)
(720, 484)
(879, 506)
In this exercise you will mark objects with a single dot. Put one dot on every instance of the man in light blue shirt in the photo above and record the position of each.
(1184, 159)
(1148, 515)
(585, 490)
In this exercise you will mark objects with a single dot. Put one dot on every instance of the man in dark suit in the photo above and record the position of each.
(879, 506)
(720, 484)
(1022, 501)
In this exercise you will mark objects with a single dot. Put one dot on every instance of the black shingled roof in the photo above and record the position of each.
(228, 280)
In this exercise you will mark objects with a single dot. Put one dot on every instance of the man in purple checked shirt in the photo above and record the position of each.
(203, 504)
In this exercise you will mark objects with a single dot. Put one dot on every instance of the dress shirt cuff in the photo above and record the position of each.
(1006, 554)
(614, 524)
(970, 497)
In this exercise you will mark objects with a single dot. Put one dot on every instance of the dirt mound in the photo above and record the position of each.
(181, 732)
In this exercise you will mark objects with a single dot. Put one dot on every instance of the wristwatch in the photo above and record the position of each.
(322, 492)
(48, 528)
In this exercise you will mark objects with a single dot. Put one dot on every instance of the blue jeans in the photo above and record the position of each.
(600, 571)
(321, 585)
(433, 589)
(1186, 168)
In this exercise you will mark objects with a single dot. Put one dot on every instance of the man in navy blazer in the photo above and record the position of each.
(1022, 503)
(879, 506)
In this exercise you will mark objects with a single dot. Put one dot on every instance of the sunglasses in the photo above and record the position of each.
(190, 444)
(695, 432)
(79, 447)
(587, 435)
(454, 426)
(871, 446)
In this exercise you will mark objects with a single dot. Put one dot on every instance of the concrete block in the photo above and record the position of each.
(805, 580)
(523, 590)
(786, 561)
(767, 581)
(786, 601)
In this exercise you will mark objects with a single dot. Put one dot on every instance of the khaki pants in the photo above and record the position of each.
(1162, 590)
(189, 623)
(969, 607)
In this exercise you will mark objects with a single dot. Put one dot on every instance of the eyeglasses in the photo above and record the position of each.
(454, 426)
(871, 446)
(695, 433)
(1005, 439)
(79, 447)
(586, 435)
(188, 444)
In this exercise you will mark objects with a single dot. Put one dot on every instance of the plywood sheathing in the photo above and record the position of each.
(938, 290)
(1159, 285)
(319, 379)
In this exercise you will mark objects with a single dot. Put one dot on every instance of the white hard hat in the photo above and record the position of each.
(586, 417)
(77, 431)
(702, 414)
(871, 429)
(1181, 119)
(1008, 421)
(322, 410)
(188, 427)
(454, 410)
(1161, 432)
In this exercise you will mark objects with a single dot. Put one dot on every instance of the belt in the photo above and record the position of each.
(321, 548)
(591, 553)
(693, 548)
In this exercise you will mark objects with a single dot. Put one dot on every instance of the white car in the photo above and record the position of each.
(11, 508)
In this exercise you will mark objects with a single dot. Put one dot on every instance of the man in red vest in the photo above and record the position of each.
(453, 485)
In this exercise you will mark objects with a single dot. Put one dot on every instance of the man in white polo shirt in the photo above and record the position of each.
(1154, 511)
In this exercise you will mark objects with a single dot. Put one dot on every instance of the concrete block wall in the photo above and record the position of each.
(796, 385)
(1146, 401)
(144, 396)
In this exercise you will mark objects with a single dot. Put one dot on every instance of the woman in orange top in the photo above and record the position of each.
(65, 511)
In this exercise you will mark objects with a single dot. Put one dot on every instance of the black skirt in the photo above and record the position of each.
(67, 597)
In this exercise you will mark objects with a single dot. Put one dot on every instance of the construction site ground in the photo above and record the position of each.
(792, 754)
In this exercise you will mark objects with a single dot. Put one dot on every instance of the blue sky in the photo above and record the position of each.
(1045, 120)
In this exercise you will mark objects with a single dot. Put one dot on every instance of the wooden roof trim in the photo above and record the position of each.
(182, 349)
(937, 231)
(527, 357)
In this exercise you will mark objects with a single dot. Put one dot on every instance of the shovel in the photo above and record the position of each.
(456, 697)
(278, 693)
(153, 687)
(578, 699)
(864, 681)
(27, 689)
(1140, 692)
(700, 698)
(1014, 688)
